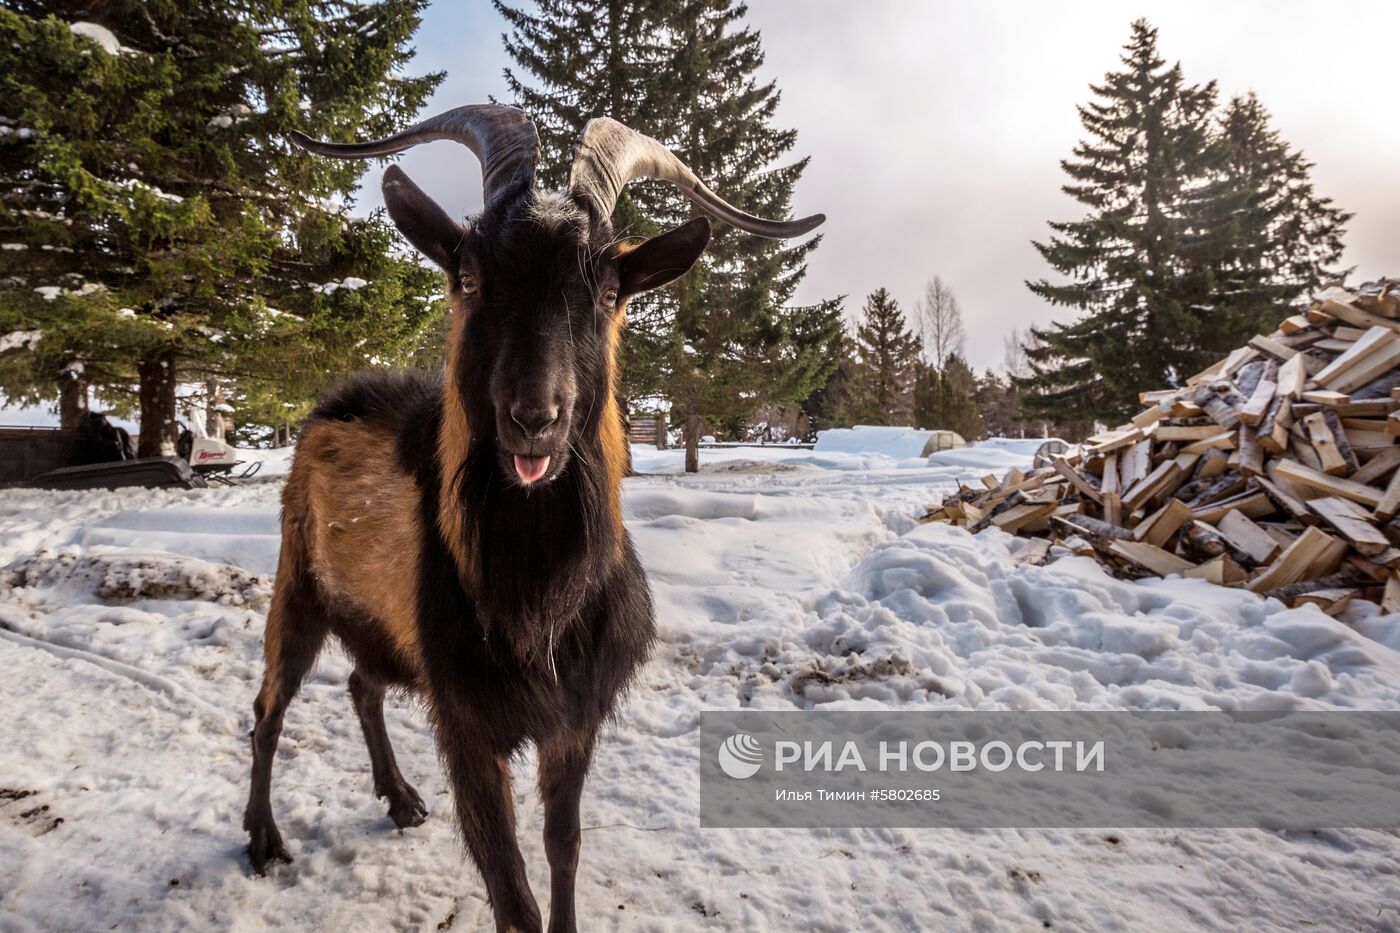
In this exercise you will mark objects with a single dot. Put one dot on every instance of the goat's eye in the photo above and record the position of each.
(468, 283)
(610, 298)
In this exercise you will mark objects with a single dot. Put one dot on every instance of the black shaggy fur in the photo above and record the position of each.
(540, 641)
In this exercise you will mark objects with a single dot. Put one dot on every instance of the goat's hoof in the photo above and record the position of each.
(406, 807)
(265, 848)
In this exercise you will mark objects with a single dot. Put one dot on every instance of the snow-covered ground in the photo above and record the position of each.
(130, 627)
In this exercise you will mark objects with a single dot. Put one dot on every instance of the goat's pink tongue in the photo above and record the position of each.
(530, 469)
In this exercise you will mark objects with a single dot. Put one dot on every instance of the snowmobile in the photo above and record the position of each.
(96, 456)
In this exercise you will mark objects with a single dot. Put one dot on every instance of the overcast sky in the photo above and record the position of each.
(936, 128)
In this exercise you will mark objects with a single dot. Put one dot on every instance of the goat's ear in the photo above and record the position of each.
(663, 258)
(420, 220)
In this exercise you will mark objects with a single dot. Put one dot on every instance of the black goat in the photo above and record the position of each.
(461, 532)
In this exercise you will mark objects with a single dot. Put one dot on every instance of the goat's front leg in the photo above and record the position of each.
(481, 790)
(564, 762)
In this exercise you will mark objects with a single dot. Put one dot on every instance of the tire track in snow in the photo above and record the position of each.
(183, 695)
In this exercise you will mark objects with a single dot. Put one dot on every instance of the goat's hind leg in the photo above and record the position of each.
(405, 806)
(297, 625)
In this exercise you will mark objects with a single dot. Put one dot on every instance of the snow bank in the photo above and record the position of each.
(130, 637)
(895, 442)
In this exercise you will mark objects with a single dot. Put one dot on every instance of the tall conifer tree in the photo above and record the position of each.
(1200, 227)
(1149, 142)
(1279, 238)
(159, 226)
(885, 362)
(723, 339)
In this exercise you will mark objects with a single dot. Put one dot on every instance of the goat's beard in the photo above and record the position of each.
(541, 551)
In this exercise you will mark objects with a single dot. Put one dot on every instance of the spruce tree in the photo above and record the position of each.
(1277, 237)
(722, 340)
(1150, 143)
(160, 228)
(885, 363)
(1201, 226)
(946, 399)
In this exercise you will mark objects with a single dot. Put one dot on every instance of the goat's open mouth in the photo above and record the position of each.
(531, 469)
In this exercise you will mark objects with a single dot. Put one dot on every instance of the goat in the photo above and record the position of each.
(461, 532)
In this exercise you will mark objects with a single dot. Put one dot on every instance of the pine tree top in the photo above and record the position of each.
(153, 201)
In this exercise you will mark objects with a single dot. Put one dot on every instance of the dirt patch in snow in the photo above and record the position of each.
(126, 577)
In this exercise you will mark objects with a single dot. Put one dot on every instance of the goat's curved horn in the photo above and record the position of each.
(503, 138)
(608, 155)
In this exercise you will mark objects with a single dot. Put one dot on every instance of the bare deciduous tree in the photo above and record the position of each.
(1014, 360)
(939, 322)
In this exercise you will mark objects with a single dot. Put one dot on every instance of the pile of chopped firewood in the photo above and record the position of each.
(1275, 469)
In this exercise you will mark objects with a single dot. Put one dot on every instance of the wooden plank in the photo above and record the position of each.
(1221, 403)
(1148, 417)
(1295, 324)
(1186, 432)
(1351, 522)
(1368, 425)
(1192, 432)
(1150, 558)
(1292, 565)
(1369, 440)
(1155, 483)
(1302, 451)
(1113, 508)
(1328, 450)
(1113, 440)
(1020, 516)
(1157, 529)
(1080, 484)
(1213, 463)
(1327, 397)
(1372, 340)
(1330, 600)
(1378, 466)
(1109, 485)
(1369, 368)
(1333, 345)
(1253, 504)
(1330, 485)
(1273, 348)
(1273, 430)
(1389, 503)
(1248, 537)
(1212, 571)
(1356, 316)
(1251, 452)
(1368, 408)
(1390, 601)
(1134, 463)
(1328, 560)
(1224, 440)
(1222, 571)
(1253, 411)
(1292, 377)
(1284, 496)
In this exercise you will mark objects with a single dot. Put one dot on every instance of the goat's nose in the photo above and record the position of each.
(533, 421)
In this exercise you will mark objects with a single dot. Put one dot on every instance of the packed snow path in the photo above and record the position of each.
(130, 627)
